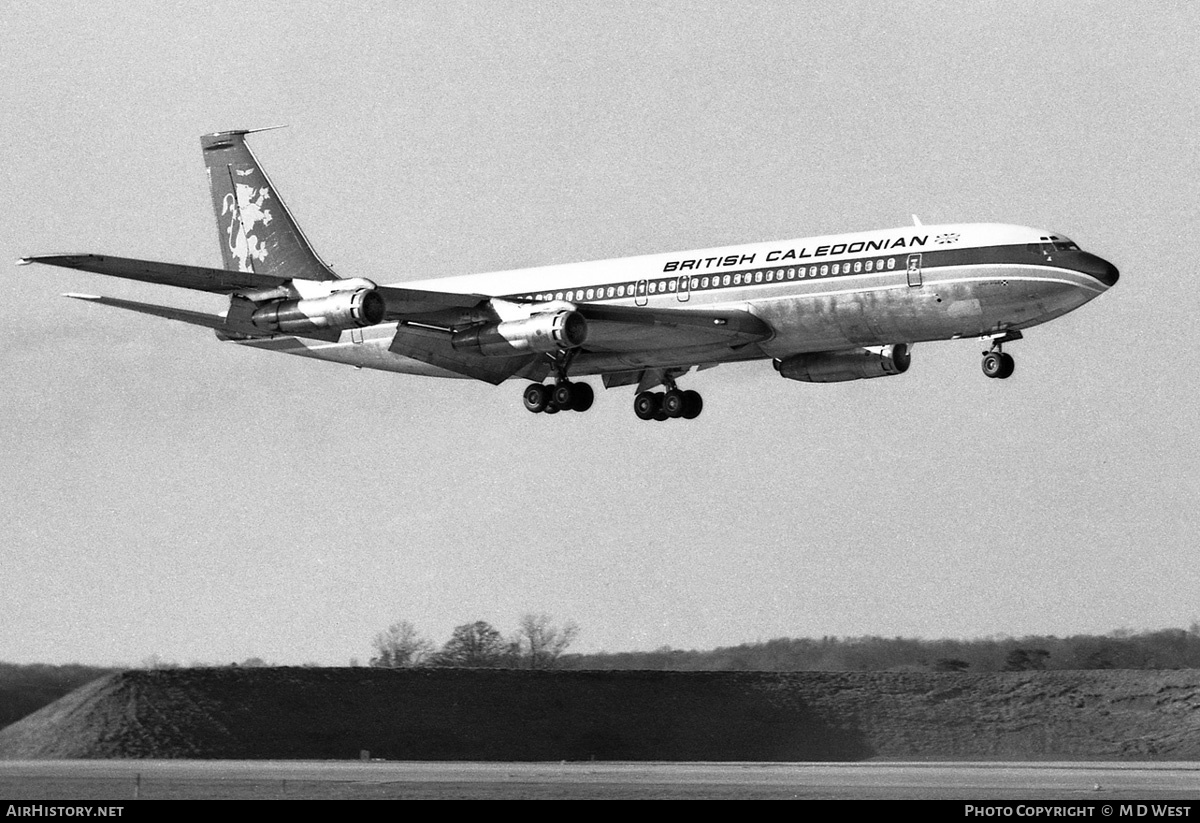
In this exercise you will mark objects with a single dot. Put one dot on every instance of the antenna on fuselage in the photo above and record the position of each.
(916, 220)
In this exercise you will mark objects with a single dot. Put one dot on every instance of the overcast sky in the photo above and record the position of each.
(167, 494)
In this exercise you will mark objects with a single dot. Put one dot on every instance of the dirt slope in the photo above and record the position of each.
(621, 715)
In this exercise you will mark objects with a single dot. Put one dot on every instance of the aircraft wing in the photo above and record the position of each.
(217, 281)
(697, 334)
(401, 302)
(611, 329)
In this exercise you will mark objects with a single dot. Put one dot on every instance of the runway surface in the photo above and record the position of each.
(1097, 782)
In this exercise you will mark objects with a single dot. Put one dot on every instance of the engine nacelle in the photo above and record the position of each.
(545, 332)
(340, 310)
(852, 364)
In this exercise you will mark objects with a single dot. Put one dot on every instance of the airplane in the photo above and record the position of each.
(821, 309)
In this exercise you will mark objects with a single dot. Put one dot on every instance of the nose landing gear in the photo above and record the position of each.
(996, 363)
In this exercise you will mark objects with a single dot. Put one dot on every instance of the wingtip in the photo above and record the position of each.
(24, 261)
(232, 132)
(77, 296)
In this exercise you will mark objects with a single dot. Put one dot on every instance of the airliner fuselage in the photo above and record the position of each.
(867, 289)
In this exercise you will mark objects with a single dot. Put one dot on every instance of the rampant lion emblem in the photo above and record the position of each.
(244, 215)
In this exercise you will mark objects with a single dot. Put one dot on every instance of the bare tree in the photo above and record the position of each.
(476, 645)
(400, 647)
(541, 642)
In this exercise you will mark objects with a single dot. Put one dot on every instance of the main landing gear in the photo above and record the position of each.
(670, 404)
(995, 362)
(562, 396)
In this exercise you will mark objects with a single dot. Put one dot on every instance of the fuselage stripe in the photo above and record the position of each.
(860, 267)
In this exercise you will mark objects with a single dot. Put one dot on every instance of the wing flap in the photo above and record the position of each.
(406, 303)
(433, 346)
(631, 328)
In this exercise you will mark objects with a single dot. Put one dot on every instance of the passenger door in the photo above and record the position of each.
(684, 290)
(914, 269)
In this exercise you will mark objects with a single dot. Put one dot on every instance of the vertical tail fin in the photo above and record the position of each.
(257, 231)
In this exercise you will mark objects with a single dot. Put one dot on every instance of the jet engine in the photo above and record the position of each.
(544, 332)
(340, 310)
(849, 364)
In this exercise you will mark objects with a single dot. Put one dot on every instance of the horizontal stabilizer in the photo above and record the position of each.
(195, 318)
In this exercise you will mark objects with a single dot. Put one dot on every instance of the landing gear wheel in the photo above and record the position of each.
(582, 396)
(993, 364)
(673, 403)
(1007, 366)
(536, 397)
(552, 408)
(646, 405)
(693, 404)
(661, 415)
(563, 395)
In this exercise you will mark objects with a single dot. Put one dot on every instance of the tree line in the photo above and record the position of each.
(1121, 649)
(538, 643)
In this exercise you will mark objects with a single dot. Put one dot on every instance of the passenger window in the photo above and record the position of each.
(891, 263)
(695, 283)
(758, 277)
(869, 265)
(824, 269)
(611, 291)
(737, 279)
(857, 266)
(725, 282)
(590, 292)
(704, 283)
(836, 268)
(792, 274)
(670, 285)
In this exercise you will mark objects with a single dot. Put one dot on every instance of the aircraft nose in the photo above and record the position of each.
(1099, 268)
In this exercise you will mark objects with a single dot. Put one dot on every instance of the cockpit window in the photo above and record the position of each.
(1059, 243)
